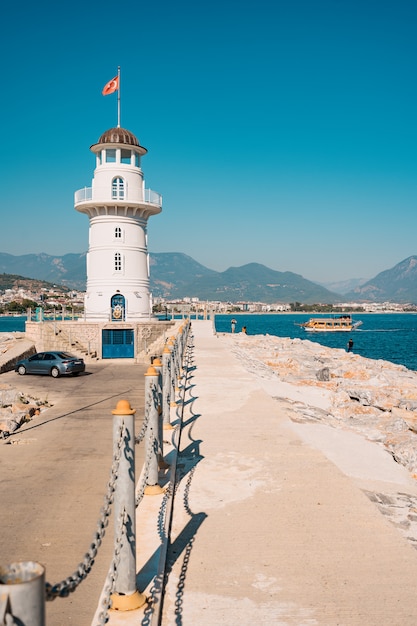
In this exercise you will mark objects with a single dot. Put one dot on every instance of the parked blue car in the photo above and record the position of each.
(51, 363)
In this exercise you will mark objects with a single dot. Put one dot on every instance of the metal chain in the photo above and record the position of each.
(142, 433)
(163, 524)
(69, 584)
(149, 455)
(112, 575)
(162, 514)
(155, 396)
(152, 399)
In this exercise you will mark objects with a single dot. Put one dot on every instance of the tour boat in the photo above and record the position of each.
(331, 324)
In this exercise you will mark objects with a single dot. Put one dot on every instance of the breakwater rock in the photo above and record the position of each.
(16, 408)
(374, 398)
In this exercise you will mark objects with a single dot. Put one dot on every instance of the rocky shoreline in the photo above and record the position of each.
(376, 399)
(342, 403)
(337, 401)
(16, 406)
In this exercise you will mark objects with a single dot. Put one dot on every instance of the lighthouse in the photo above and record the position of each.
(118, 207)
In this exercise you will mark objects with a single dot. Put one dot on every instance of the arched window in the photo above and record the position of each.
(117, 232)
(118, 307)
(118, 189)
(118, 262)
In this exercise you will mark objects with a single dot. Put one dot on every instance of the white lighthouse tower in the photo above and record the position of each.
(118, 207)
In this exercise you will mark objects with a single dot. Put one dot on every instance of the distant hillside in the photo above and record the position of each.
(398, 284)
(176, 275)
(68, 270)
(171, 272)
(344, 286)
(12, 281)
(255, 283)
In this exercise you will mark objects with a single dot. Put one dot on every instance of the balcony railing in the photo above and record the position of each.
(86, 194)
(83, 194)
(153, 197)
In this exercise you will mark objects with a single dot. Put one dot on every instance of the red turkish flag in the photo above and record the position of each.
(111, 87)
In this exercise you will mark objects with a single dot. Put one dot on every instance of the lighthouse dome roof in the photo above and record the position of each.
(115, 137)
(119, 135)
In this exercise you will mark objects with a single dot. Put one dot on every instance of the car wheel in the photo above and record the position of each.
(54, 372)
(21, 370)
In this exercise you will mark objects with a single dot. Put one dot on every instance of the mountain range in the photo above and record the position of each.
(174, 275)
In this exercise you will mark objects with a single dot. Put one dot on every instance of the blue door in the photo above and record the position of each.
(118, 344)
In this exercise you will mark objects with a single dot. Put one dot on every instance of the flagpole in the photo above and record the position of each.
(118, 98)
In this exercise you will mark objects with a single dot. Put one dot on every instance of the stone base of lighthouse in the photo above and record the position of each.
(94, 341)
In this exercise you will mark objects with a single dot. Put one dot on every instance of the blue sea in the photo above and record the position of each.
(388, 336)
(11, 324)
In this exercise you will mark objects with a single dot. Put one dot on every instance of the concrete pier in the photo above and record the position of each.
(267, 526)
(277, 533)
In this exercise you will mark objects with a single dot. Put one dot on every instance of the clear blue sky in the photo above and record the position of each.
(282, 133)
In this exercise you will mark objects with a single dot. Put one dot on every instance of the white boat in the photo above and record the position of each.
(341, 323)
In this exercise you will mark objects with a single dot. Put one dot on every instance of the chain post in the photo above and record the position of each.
(151, 437)
(157, 364)
(166, 387)
(184, 337)
(171, 346)
(177, 364)
(125, 596)
(22, 594)
(181, 343)
(181, 338)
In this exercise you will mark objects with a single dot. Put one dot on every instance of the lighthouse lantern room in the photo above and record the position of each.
(118, 206)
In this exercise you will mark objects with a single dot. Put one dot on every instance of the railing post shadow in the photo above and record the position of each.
(125, 596)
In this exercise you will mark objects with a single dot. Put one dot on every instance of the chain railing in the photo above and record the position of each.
(153, 612)
(69, 584)
(23, 591)
(112, 574)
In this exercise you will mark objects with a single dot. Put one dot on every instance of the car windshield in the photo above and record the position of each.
(65, 355)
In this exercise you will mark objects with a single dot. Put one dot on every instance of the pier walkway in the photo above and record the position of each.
(266, 529)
